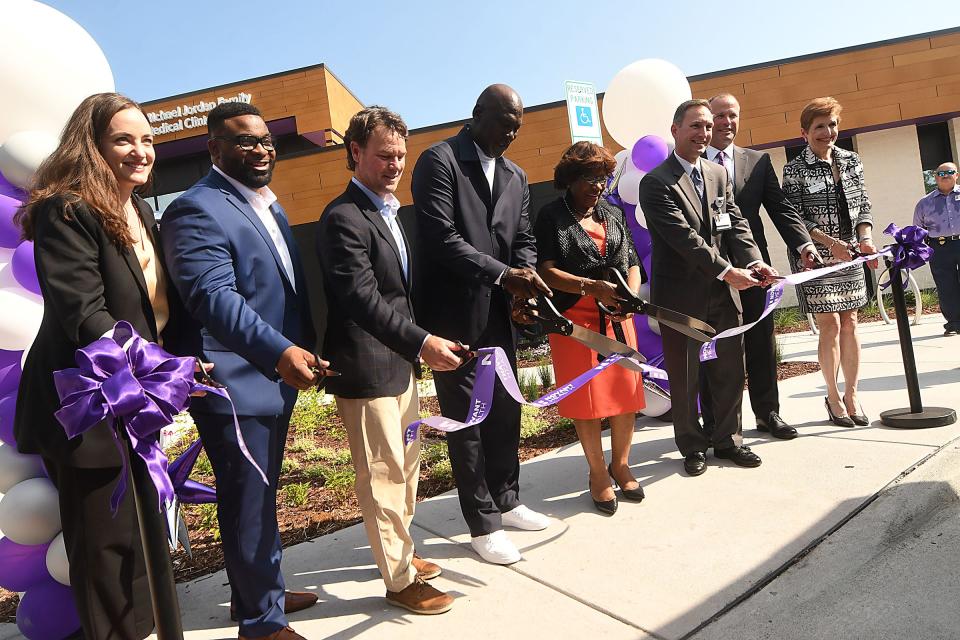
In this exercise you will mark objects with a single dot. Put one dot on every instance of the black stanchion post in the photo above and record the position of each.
(156, 553)
(916, 416)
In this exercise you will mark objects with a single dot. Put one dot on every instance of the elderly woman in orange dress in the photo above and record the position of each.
(579, 238)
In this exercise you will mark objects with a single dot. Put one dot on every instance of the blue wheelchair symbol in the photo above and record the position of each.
(585, 116)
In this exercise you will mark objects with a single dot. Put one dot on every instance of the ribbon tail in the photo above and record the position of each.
(222, 392)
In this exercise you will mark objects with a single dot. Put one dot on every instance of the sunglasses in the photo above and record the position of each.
(248, 142)
(944, 174)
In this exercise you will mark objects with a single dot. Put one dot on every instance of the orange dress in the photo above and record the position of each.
(616, 390)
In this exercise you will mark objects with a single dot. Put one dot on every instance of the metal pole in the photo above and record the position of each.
(156, 551)
(906, 341)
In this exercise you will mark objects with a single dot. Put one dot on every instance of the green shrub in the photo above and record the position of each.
(207, 518)
(341, 481)
(529, 386)
(531, 422)
(441, 471)
(788, 318)
(289, 465)
(545, 375)
(295, 495)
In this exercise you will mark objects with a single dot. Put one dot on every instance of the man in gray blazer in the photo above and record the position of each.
(755, 183)
(698, 235)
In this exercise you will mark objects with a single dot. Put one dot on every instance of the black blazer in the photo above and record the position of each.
(371, 338)
(467, 236)
(688, 252)
(755, 184)
(88, 284)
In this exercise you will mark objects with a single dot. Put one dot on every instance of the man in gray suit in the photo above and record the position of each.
(698, 235)
(755, 183)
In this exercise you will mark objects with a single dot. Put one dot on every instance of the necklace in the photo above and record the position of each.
(603, 223)
(145, 257)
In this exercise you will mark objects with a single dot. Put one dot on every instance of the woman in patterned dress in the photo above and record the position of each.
(579, 237)
(826, 185)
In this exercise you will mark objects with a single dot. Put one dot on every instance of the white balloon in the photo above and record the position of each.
(6, 270)
(22, 153)
(57, 563)
(30, 512)
(657, 400)
(16, 467)
(629, 184)
(20, 319)
(640, 216)
(641, 98)
(42, 83)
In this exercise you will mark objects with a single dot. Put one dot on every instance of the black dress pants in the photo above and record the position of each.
(107, 569)
(760, 348)
(725, 375)
(484, 457)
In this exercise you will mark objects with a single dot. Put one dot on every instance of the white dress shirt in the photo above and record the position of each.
(489, 166)
(388, 208)
(261, 200)
(712, 154)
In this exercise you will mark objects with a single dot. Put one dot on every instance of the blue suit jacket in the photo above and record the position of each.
(227, 270)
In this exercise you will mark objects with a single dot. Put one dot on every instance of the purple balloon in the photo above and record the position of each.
(9, 379)
(8, 406)
(9, 232)
(24, 267)
(47, 612)
(648, 152)
(22, 566)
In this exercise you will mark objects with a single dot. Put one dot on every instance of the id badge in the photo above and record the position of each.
(721, 221)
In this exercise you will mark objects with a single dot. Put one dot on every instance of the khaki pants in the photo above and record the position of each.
(387, 476)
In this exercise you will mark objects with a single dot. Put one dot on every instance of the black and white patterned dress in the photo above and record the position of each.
(836, 209)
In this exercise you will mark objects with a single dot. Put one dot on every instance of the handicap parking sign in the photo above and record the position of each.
(585, 116)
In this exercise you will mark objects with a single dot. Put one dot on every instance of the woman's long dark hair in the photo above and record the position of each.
(77, 171)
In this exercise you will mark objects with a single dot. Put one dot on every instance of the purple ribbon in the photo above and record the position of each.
(909, 249)
(141, 388)
(775, 295)
(492, 363)
(187, 490)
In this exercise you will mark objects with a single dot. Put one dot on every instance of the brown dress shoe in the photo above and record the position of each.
(426, 570)
(293, 601)
(420, 597)
(287, 633)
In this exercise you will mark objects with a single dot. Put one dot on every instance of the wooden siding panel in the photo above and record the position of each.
(822, 62)
(938, 53)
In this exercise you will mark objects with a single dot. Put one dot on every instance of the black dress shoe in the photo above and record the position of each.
(635, 495)
(695, 463)
(777, 427)
(608, 507)
(740, 456)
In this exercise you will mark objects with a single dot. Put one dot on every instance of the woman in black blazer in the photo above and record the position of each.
(98, 261)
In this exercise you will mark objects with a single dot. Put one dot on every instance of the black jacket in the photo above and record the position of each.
(467, 236)
(88, 284)
(371, 338)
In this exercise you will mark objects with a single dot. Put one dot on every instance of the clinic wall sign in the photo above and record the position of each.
(189, 116)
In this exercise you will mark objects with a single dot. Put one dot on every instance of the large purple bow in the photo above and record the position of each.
(136, 384)
(909, 251)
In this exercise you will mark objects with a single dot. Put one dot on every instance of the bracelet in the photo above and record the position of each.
(865, 239)
(583, 286)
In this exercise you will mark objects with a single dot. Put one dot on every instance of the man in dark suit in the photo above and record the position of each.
(372, 339)
(478, 250)
(697, 236)
(755, 183)
(234, 261)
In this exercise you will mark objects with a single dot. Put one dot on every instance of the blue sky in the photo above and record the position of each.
(428, 59)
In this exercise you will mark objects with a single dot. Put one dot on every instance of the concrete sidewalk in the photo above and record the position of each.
(676, 565)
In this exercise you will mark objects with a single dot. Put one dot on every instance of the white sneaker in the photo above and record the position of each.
(522, 517)
(496, 548)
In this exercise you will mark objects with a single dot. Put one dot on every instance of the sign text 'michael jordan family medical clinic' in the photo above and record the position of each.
(189, 116)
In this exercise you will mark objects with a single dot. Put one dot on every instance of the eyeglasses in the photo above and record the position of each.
(249, 143)
(595, 180)
(944, 174)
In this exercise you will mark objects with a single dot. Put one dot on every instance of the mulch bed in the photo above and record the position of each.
(322, 509)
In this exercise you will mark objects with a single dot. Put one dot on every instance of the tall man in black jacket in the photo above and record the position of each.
(478, 250)
(372, 339)
(755, 183)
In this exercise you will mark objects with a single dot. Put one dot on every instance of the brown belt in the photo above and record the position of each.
(941, 240)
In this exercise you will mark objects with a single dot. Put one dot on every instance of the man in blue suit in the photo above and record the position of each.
(234, 261)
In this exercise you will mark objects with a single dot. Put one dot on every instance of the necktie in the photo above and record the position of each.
(697, 181)
(720, 159)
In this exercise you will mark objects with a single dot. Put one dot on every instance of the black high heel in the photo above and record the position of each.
(608, 507)
(634, 495)
(840, 421)
(861, 418)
